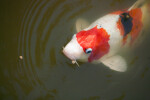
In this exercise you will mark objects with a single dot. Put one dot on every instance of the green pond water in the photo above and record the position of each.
(32, 66)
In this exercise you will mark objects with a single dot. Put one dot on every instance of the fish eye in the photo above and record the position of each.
(88, 51)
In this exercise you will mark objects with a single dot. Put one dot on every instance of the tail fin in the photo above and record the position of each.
(138, 4)
(145, 7)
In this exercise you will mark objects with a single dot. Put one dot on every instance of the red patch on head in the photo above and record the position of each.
(97, 40)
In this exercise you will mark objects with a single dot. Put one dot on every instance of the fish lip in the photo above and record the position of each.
(72, 58)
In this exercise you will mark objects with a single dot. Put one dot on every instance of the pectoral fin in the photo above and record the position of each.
(116, 63)
(81, 24)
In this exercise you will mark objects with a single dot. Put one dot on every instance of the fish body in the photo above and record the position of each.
(104, 38)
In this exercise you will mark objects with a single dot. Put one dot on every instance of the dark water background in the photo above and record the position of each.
(37, 30)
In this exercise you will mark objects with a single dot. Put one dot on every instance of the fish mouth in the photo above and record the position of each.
(72, 58)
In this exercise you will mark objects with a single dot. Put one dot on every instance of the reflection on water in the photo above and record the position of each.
(33, 66)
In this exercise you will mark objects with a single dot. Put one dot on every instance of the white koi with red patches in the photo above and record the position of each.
(104, 38)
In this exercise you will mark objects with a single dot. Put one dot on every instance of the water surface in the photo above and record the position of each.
(33, 67)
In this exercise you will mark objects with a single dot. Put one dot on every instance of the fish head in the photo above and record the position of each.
(74, 51)
(88, 45)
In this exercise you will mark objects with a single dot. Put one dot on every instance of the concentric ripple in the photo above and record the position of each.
(45, 73)
(42, 36)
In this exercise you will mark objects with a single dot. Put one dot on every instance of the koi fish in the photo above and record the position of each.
(104, 38)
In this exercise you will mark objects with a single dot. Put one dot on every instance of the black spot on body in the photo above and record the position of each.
(126, 21)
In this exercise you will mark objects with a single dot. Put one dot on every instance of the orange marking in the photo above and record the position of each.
(95, 38)
(136, 14)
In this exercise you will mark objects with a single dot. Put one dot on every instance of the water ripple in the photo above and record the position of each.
(42, 27)
(43, 70)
